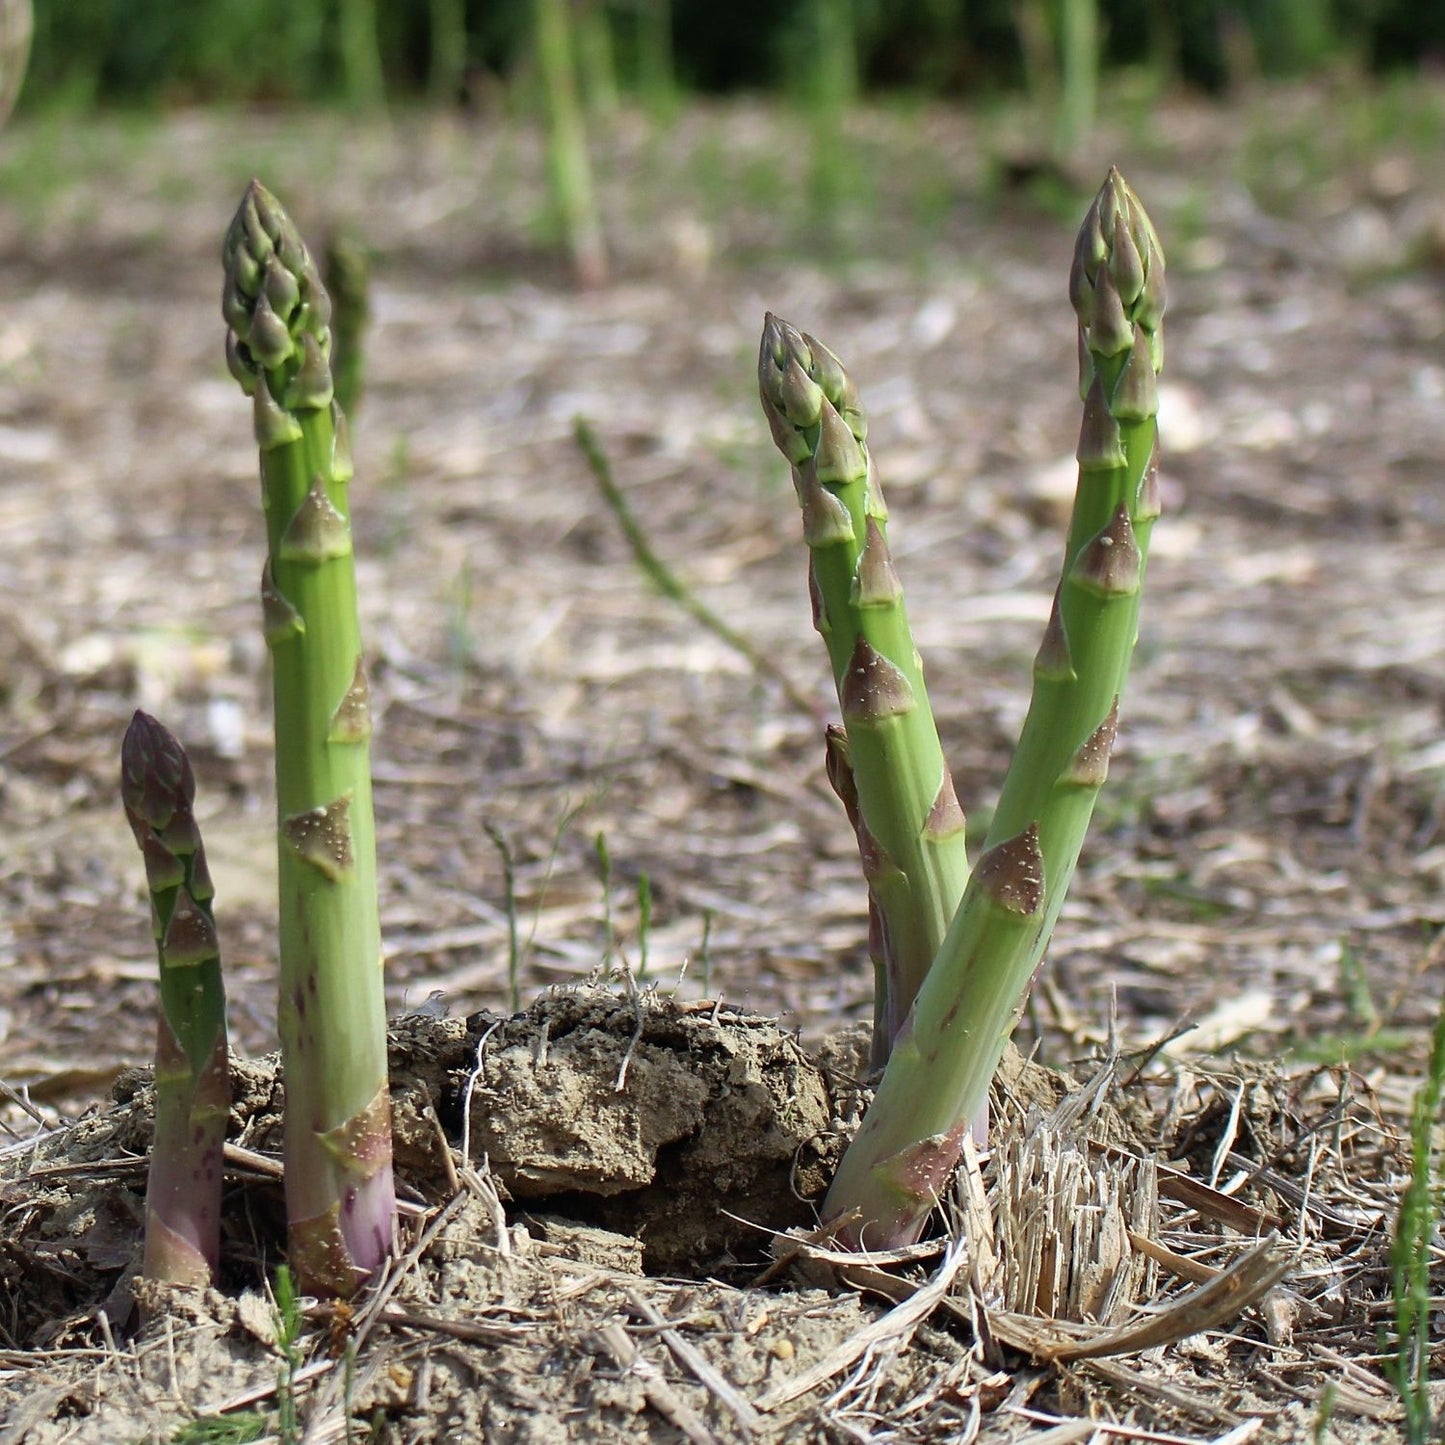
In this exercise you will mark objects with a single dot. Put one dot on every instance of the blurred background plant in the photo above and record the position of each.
(366, 51)
(17, 22)
(604, 81)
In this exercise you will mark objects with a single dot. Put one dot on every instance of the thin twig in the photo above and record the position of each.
(613, 1340)
(691, 1358)
(897, 1324)
(474, 1331)
(473, 1074)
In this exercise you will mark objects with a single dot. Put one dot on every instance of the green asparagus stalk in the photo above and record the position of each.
(656, 71)
(886, 763)
(193, 1085)
(1079, 53)
(597, 62)
(346, 271)
(339, 1191)
(1417, 1221)
(938, 1075)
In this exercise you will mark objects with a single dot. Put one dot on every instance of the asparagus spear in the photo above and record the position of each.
(938, 1075)
(193, 1085)
(339, 1191)
(886, 764)
(347, 278)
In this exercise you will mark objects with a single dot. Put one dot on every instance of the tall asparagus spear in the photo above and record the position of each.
(339, 1192)
(886, 763)
(939, 1072)
(193, 1086)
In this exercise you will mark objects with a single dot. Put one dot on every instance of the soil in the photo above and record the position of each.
(1261, 892)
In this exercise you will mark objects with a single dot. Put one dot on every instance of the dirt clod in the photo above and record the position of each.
(698, 1130)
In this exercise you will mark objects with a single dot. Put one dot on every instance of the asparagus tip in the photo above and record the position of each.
(156, 781)
(1117, 276)
(277, 311)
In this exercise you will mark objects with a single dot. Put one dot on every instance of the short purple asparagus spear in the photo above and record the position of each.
(193, 1089)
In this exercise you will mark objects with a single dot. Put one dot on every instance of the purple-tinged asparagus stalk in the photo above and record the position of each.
(193, 1086)
(938, 1074)
(886, 763)
(339, 1193)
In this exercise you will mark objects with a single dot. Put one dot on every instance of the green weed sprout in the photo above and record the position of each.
(667, 582)
(339, 1192)
(290, 1323)
(193, 1085)
(885, 763)
(938, 1073)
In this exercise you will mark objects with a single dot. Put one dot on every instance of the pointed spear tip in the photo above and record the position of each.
(155, 774)
(140, 732)
(273, 300)
(1117, 241)
(779, 339)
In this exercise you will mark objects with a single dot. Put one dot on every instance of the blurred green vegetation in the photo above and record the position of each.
(161, 52)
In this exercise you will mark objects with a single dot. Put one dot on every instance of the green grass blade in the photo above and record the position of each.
(1422, 1206)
